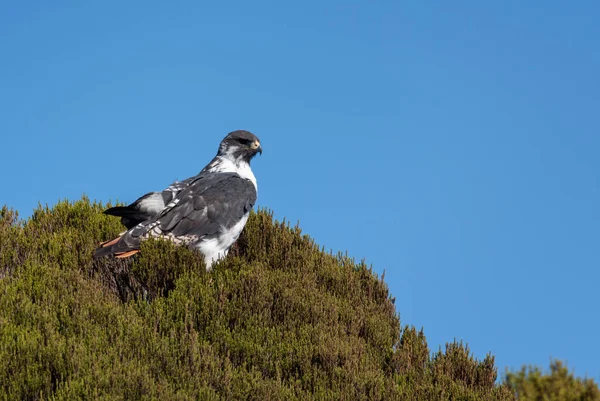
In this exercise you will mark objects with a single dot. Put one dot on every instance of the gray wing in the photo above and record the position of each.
(211, 204)
(173, 190)
(208, 206)
(149, 205)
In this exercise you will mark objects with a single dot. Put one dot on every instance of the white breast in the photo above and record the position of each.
(244, 171)
(225, 165)
(217, 248)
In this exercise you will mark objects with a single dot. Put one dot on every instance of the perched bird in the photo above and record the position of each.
(152, 204)
(206, 212)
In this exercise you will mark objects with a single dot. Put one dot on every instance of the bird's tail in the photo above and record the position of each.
(130, 216)
(118, 248)
(120, 211)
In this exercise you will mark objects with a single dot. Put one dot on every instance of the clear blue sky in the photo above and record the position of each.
(454, 146)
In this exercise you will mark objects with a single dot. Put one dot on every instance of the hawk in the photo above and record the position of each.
(205, 212)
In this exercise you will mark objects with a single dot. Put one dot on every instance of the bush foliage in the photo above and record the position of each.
(278, 319)
(531, 384)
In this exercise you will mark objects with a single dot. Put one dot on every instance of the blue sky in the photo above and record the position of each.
(454, 146)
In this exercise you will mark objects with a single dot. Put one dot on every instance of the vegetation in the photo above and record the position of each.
(279, 319)
(531, 384)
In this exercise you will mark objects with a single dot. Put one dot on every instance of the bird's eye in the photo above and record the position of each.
(246, 141)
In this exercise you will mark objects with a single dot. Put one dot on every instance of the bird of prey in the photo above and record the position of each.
(152, 204)
(206, 212)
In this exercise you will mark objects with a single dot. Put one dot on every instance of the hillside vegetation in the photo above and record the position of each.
(530, 383)
(279, 319)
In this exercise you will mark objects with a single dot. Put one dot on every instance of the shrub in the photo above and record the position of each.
(559, 384)
(278, 319)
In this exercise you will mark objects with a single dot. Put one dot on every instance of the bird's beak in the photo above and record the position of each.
(257, 147)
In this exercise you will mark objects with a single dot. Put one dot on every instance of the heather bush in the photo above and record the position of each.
(530, 383)
(278, 319)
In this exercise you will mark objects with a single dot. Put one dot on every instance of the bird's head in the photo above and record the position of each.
(240, 145)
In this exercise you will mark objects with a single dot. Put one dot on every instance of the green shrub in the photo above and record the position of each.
(559, 384)
(279, 319)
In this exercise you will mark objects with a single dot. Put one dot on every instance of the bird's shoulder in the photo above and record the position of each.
(221, 184)
(210, 202)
